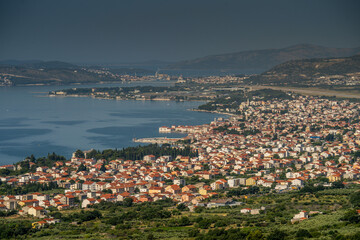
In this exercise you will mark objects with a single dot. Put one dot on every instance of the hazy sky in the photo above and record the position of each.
(115, 31)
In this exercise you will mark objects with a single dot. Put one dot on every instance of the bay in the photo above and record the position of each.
(32, 123)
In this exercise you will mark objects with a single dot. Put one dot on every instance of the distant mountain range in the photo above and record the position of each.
(261, 60)
(309, 70)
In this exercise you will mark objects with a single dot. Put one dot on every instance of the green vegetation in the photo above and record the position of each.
(303, 72)
(6, 189)
(138, 153)
(334, 217)
(232, 100)
(31, 163)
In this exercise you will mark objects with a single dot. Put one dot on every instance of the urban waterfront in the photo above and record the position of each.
(32, 123)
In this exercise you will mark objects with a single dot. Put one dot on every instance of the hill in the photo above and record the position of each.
(50, 76)
(328, 71)
(50, 65)
(13, 72)
(261, 60)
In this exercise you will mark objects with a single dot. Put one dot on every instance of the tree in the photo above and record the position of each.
(56, 214)
(184, 221)
(255, 235)
(351, 216)
(79, 154)
(193, 232)
(357, 154)
(32, 158)
(303, 233)
(4, 172)
(103, 168)
(204, 223)
(128, 202)
(150, 236)
(277, 235)
(82, 168)
(338, 185)
(199, 209)
(355, 199)
(182, 207)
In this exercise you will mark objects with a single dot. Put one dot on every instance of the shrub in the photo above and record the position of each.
(303, 233)
(277, 235)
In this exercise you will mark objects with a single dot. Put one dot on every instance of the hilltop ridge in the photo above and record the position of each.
(261, 60)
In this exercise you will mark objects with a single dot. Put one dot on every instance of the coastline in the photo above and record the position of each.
(217, 112)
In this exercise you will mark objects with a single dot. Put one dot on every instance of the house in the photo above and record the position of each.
(174, 189)
(334, 177)
(179, 181)
(189, 188)
(145, 198)
(89, 185)
(156, 190)
(297, 182)
(235, 182)
(149, 158)
(37, 212)
(2, 207)
(87, 202)
(51, 220)
(10, 202)
(222, 203)
(187, 197)
(218, 185)
(303, 215)
(8, 167)
(99, 186)
(245, 210)
(205, 190)
(255, 211)
(250, 181)
(29, 203)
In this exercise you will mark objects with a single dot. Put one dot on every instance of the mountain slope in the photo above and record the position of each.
(312, 71)
(260, 60)
(14, 72)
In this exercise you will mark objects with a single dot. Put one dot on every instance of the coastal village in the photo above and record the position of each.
(277, 145)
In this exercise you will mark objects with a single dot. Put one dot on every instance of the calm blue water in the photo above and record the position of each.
(31, 123)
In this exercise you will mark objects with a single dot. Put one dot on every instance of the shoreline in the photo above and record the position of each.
(136, 99)
(217, 112)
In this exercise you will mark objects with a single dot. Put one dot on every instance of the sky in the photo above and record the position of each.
(121, 31)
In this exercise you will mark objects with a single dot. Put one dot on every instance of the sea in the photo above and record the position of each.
(33, 123)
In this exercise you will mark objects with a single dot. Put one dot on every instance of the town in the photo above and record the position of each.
(274, 145)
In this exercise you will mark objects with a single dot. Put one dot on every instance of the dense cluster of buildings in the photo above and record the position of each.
(279, 144)
(349, 79)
